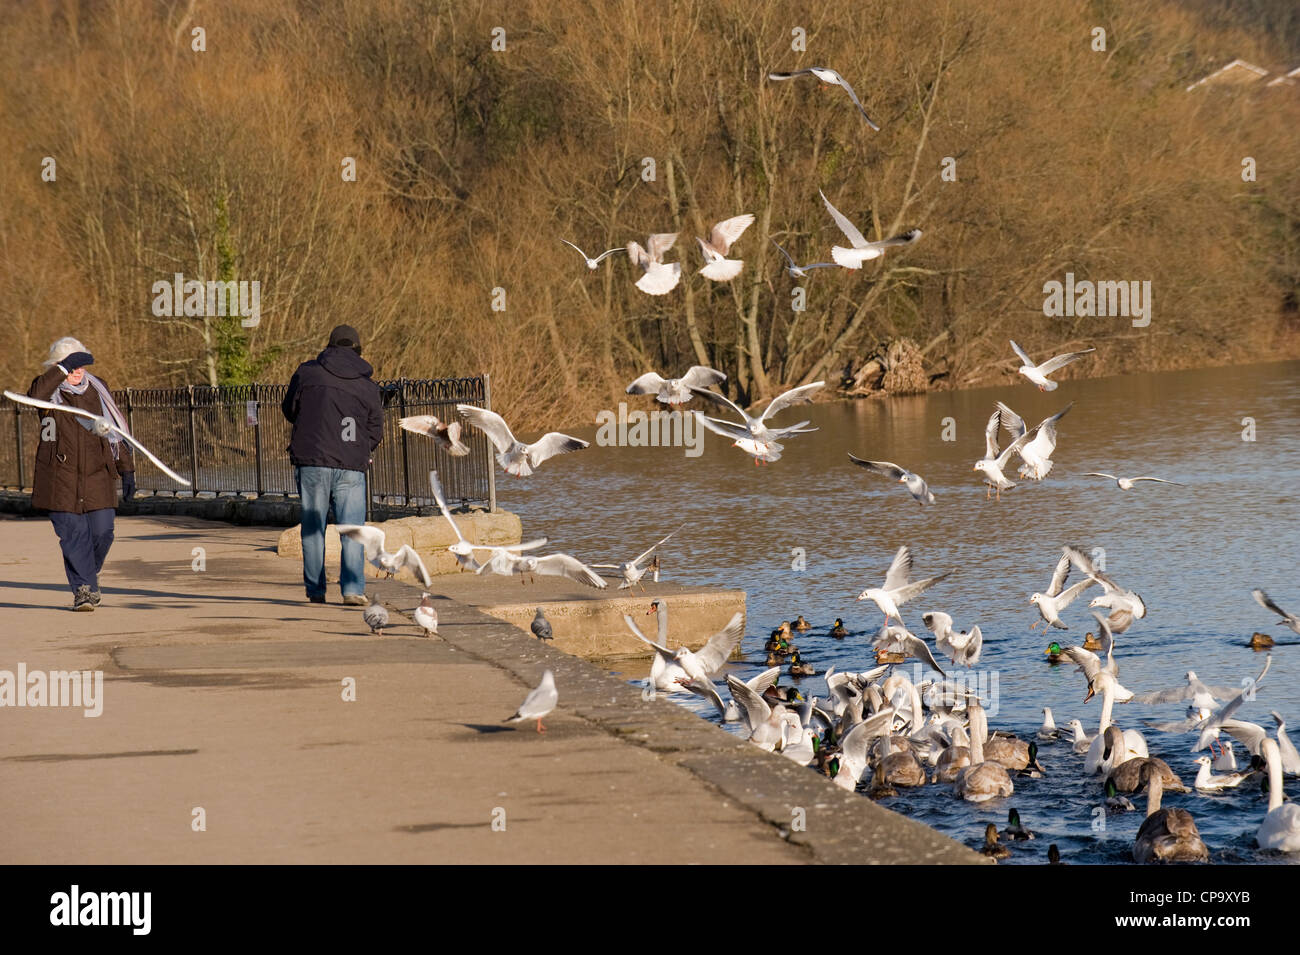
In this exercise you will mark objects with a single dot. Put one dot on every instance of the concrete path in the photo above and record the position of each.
(224, 691)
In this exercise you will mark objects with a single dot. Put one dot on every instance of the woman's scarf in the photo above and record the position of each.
(106, 404)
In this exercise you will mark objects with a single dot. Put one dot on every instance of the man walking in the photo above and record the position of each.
(338, 421)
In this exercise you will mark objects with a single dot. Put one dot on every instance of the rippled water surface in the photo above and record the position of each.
(1193, 553)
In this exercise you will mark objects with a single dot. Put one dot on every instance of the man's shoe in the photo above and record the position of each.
(355, 600)
(81, 600)
(95, 597)
(316, 598)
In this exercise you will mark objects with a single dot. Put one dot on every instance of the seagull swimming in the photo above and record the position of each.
(830, 78)
(513, 455)
(593, 263)
(101, 426)
(660, 278)
(1126, 484)
(723, 235)
(801, 271)
(1036, 454)
(896, 589)
(445, 436)
(916, 485)
(676, 391)
(1038, 373)
(862, 251)
(540, 702)
(373, 542)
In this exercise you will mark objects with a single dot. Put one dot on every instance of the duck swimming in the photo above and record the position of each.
(992, 848)
(1091, 643)
(799, 668)
(1014, 830)
(1054, 653)
(838, 631)
(1260, 641)
(801, 624)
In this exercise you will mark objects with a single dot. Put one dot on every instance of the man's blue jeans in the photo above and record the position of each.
(318, 487)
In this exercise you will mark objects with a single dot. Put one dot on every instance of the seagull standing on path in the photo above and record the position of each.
(660, 278)
(916, 485)
(896, 589)
(862, 251)
(538, 703)
(593, 263)
(717, 266)
(426, 616)
(513, 455)
(1038, 373)
(1126, 484)
(830, 78)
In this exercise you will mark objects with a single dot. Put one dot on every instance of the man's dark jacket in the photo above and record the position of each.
(323, 393)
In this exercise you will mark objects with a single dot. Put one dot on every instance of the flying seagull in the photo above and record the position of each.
(1058, 597)
(1115, 596)
(756, 435)
(445, 436)
(702, 664)
(916, 485)
(660, 278)
(898, 639)
(101, 426)
(1038, 373)
(993, 462)
(462, 550)
(961, 646)
(896, 589)
(800, 271)
(513, 455)
(1126, 484)
(631, 571)
(538, 703)
(676, 391)
(1288, 619)
(557, 565)
(830, 78)
(373, 543)
(862, 251)
(592, 263)
(1037, 453)
(717, 266)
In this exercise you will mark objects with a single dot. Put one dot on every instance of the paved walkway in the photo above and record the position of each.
(223, 690)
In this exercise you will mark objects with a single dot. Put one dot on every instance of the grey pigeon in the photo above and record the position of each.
(542, 626)
(375, 616)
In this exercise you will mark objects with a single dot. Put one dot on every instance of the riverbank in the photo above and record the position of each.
(223, 703)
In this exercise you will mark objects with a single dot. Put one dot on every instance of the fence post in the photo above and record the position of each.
(194, 443)
(491, 470)
(257, 436)
(406, 470)
(130, 422)
(18, 435)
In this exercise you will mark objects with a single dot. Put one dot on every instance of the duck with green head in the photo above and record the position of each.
(1014, 830)
(799, 668)
(1054, 652)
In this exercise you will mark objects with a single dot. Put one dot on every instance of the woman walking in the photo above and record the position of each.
(76, 470)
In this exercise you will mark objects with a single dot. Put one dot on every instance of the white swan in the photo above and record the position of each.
(1103, 756)
(1280, 829)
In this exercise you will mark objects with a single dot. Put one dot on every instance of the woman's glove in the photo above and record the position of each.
(78, 359)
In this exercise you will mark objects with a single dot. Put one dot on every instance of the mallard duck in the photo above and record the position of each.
(1091, 643)
(1114, 801)
(1032, 769)
(1260, 641)
(1166, 835)
(1054, 652)
(801, 624)
(1054, 855)
(890, 656)
(1014, 830)
(799, 668)
(838, 631)
(992, 848)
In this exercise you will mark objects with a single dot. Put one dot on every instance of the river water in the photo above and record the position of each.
(1194, 553)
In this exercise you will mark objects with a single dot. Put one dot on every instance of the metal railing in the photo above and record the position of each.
(233, 439)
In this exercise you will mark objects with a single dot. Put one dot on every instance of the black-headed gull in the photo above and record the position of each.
(1057, 597)
(896, 589)
(1115, 597)
(962, 647)
(801, 271)
(462, 550)
(102, 427)
(830, 78)
(445, 435)
(894, 638)
(537, 704)
(593, 263)
(676, 391)
(993, 462)
(426, 616)
(557, 565)
(1126, 484)
(373, 543)
(862, 250)
(1038, 373)
(513, 455)
(660, 278)
(723, 235)
(916, 485)
(1037, 452)
(631, 571)
(702, 664)
(754, 432)
(1288, 619)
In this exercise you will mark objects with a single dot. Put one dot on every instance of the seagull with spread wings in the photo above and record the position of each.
(916, 485)
(631, 571)
(101, 426)
(593, 263)
(1288, 619)
(676, 391)
(994, 461)
(830, 78)
(372, 541)
(801, 271)
(758, 437)
(513, 455)
(723, 235)
(1126, 484)
(862, 250)
(1038, 373)
(896, 589)
(557, 565)
(660, 278)
(1036, 453)
(894, 638)
(462, 550)
(1057, 597)
(702, 664)
(445, 435)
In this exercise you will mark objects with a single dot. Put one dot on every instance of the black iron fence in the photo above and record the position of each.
(234, 440)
